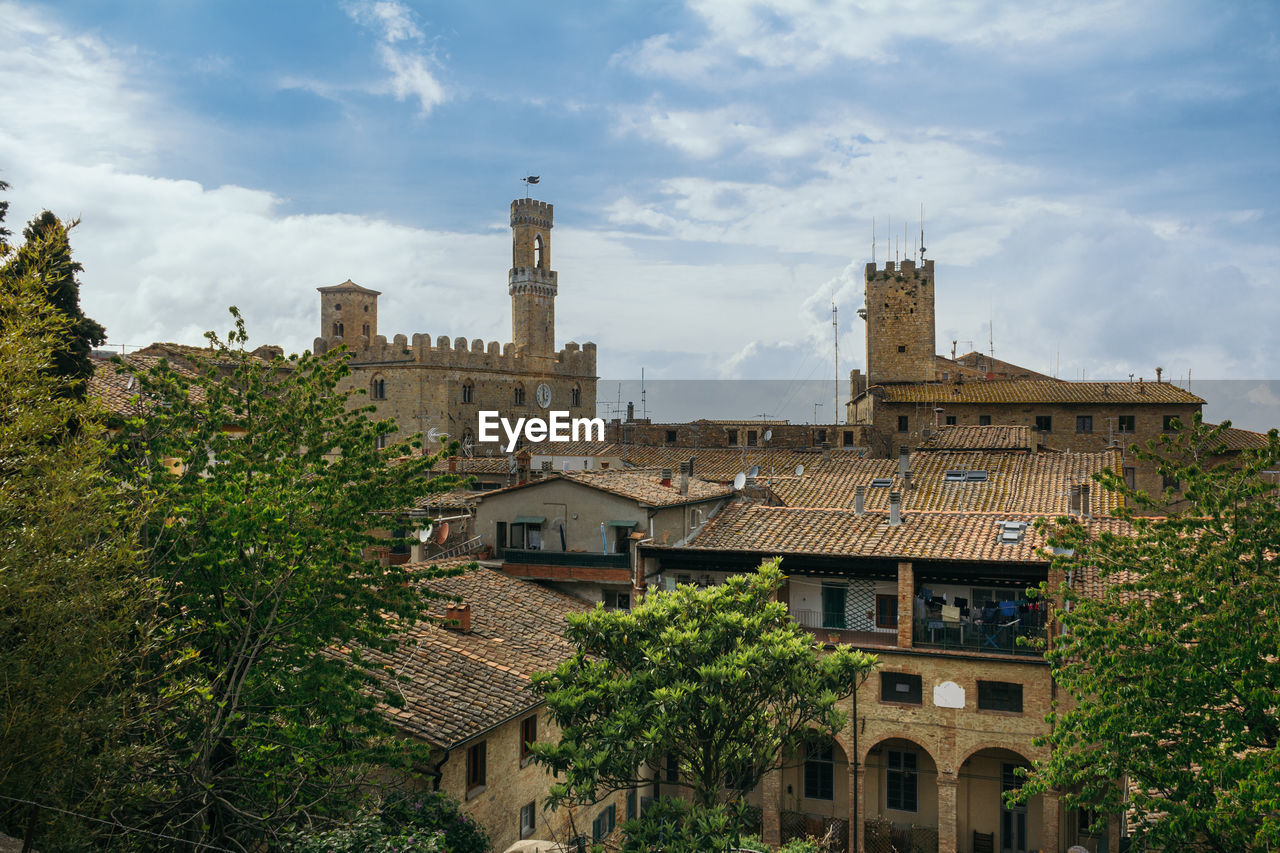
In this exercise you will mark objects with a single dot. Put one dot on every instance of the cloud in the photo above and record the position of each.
(401, 52)
(808, 36)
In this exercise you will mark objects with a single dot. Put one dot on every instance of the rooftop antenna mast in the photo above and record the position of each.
(921, 233)
(835, 331)
(873, 241)
(644, 406)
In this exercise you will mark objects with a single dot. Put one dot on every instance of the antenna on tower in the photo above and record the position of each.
(873, 241)
(921, 233)
(906, 239)
(644, 407)
(835, 329)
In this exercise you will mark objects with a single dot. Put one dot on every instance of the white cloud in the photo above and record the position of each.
(810, 35)
(409, 64)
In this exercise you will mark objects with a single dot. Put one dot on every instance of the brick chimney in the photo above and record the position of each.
(666, 476)
(684, 478)
(461, 614)
(904, 460)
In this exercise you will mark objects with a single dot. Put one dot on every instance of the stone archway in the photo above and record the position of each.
(899, 808)
(985, 773)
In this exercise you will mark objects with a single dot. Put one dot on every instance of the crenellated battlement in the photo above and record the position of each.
(463, 354)
(530, 211)
(906, 269)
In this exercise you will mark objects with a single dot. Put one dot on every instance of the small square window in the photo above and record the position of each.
(900, 687)
(984, 420)
(951, 420)
(903, 423)
(1126, 423)
(1000, 696)
(1044, 423)
(1172, 422)
(671, 436)
(1084, 423)
(902, 347)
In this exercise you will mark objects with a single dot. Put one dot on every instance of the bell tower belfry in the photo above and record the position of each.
(532, 281)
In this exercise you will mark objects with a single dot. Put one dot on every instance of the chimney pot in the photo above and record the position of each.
(461, 614)
(859, 500)
(666, 476)
(904, 460)
(895, 509)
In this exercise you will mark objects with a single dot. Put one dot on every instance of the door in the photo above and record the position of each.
(1013, 821)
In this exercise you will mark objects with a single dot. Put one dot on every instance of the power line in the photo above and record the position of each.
(199, 845)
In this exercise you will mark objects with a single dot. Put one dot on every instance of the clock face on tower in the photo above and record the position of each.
(544, 395)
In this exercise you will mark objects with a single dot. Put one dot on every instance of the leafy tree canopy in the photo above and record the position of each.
(1173, 670)
(721, 679)
(45, 257)
(264, 486)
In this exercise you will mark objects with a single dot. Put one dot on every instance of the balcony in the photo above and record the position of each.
(567, 566)
(819, 624)
(985, 638)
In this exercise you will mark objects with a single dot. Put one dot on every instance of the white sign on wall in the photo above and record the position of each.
(948, 694)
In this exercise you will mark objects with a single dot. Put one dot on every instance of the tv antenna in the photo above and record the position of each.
(922, 233)
(835, 331)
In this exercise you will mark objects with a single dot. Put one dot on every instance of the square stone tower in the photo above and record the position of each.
(349, 313)
(900, 331)
(532, 282)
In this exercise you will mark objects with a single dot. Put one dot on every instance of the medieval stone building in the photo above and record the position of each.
(443, 385)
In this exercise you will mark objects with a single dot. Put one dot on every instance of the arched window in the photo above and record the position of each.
(468, 391)
(378, 388)
(341, 332)
(518, 396)
(336, 333)
(364, 330)
(575, 396)
(537, 251)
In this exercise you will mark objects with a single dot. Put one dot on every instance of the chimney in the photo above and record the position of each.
(826, 451)
(895, 509)
(859, 500)
(1075, 498)
(906, 481)
(1085, 509)
(666, 476)
(904, 460)
(631, 411)
(1142, 388)
(684, 478)
(453, 464)
(1159, 371)
(460, 613)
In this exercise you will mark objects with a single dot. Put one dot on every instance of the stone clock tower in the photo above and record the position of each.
(532, 282)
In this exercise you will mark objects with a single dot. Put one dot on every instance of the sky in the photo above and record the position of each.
(1099, 179)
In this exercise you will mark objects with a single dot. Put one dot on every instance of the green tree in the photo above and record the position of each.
(1173, 669)
(45, 257)
(720, 680)
(72, 603)
(266, 485)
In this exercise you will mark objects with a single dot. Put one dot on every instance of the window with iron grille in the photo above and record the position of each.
(819, 769)
(901, 781)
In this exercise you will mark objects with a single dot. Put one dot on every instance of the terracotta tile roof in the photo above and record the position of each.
(1015, 482)
(465, 684)
(959, 536)
(982, 364)
(579, 448)
(645, 486)
(1038, 391)
(348, 286)
(454, 499)
(721, 464)
(1242, 439)
(979, 438)
(110, 383)
(474, 465)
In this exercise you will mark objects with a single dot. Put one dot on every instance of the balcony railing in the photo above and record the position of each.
(566, 558)
(819, 625)
(986, 638)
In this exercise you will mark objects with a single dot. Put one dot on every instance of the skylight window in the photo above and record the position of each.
(953, 477)
(1011, 532)
(975, 476)
(881, 483)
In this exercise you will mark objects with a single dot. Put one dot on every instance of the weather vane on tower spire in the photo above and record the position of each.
(530, 181)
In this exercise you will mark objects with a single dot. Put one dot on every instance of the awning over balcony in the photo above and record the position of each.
(530, 519)
(620, 523)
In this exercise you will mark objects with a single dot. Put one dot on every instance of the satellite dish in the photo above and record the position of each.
(799, 470)
(432, 434)
(754, 472)
(768, 434)
(425, 533)
(739, 480)
(442, 533)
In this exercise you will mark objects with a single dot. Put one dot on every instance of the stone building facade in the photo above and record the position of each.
(443, 384)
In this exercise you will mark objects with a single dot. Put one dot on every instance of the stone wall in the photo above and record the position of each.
(900, 323)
